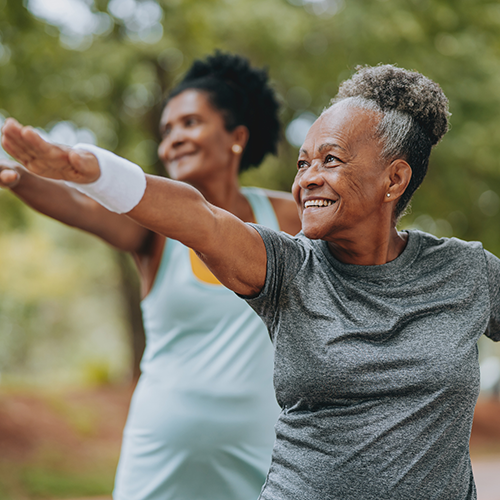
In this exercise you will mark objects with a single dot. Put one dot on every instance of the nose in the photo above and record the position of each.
(311, 177)
(174, 139)
(176, 136)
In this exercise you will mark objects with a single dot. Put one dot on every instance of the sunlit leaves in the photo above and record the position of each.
(110, 79)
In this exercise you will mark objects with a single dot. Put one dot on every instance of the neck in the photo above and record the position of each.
(369, 249)
(223, 191)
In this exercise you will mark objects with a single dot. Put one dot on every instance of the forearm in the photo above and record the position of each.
(51, 198)
(66, 205)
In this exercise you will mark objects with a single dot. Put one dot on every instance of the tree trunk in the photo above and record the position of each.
(130, 292)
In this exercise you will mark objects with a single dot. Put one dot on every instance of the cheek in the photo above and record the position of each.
(296, 192)
(162, 150)
(219, 149)
(213, 157)
(361, 187)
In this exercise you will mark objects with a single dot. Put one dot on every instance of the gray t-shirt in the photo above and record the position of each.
(376, 367)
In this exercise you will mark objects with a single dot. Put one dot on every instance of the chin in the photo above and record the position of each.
(184, 173)
(312, 233)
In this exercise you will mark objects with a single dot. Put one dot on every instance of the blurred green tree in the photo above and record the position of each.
(111, 80)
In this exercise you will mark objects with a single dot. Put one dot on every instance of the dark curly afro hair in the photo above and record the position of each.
(244, 97)
(414, 115)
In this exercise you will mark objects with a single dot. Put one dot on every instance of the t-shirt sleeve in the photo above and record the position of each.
(493, 269)
(285, 255)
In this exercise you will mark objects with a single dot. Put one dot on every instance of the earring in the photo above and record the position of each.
(236, 149)
(388, 194)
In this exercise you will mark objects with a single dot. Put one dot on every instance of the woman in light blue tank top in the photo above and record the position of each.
(202, 416)
(201, 421)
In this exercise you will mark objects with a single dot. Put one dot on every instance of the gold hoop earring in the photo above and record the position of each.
(236, 149)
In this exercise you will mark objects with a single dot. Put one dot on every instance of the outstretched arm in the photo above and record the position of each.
(67, 205)
(233, 251)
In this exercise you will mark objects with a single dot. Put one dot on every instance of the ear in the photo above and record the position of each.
(241, 136)
(399, 178)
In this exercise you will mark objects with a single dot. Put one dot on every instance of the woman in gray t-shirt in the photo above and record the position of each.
(374, 330)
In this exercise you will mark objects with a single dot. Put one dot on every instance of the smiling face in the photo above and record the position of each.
(195, 143)
(342, 181)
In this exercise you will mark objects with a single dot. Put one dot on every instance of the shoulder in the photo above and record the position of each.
(286, 257)
(283, 247)
(285, 209)
(452, 251)
(431, 243)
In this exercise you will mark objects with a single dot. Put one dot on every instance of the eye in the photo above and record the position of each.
(166, 131)
(331, 159)
(301, 164)
(191, 121)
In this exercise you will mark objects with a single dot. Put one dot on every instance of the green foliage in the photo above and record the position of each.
(59, 305)
(61, 314)
(115, 84)
(46, 483)
(51, 477)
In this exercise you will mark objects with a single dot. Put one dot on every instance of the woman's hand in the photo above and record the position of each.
(45, 159)
(9, 176)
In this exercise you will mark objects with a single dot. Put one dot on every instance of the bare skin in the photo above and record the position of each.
(196, 148)
(340, 164)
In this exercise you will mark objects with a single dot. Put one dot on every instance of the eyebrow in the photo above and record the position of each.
(329, 145)
(326, 145)
(163, 125)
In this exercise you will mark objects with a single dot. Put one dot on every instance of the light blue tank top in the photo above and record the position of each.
(201, 421)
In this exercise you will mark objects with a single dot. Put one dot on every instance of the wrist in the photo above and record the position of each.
(121, 184)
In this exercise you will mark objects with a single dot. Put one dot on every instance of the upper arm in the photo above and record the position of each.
(233, 250)
(235, 253)
(286, 256)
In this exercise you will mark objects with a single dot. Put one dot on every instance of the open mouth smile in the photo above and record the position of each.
(180, 157)
(318, 203)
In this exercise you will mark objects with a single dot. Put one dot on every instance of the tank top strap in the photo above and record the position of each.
(261, 206)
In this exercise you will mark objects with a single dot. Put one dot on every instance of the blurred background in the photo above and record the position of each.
(96, 71)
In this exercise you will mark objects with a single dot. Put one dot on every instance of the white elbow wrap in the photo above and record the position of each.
(121, 185)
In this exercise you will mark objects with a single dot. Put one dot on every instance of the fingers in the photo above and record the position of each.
(9, 178)
(46, 159)
(35, 145)
(37, 155)
(85, 167)
(12, 140)
(25, 144)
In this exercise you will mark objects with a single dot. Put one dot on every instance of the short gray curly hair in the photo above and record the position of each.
(414, 115)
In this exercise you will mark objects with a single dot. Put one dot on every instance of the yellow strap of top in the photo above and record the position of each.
(200, 270)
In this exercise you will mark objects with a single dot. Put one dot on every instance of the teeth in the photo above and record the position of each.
(318, 203)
